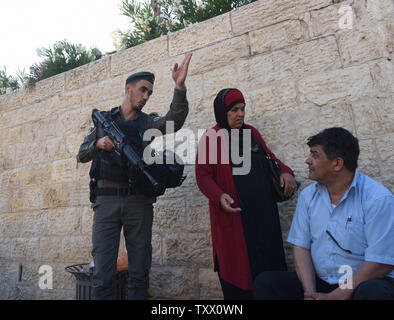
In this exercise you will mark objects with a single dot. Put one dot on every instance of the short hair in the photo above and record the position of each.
(338, 142)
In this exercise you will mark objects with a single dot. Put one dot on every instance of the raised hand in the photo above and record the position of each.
(179, 73)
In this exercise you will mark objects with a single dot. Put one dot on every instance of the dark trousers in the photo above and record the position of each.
(135, 215)
(281, 285)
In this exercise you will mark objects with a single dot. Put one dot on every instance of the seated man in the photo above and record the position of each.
(342, 230)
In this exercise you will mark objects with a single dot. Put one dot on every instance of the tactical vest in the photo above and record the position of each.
(109, 165)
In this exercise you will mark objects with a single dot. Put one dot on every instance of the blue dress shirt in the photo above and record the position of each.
(360, 228)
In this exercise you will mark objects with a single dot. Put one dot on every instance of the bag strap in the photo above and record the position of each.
(260, 147)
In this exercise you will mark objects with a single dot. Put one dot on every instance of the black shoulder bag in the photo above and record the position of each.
(169, 174)
(274, 172)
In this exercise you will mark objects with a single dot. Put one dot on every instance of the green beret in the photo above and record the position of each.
(141, 76)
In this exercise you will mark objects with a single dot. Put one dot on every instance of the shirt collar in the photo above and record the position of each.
(356, 179)
(116, 112)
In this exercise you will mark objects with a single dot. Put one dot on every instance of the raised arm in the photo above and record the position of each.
(179, 107)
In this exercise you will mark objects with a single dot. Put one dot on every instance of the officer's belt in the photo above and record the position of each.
(114, 192)
(101, 183)
(112, 188)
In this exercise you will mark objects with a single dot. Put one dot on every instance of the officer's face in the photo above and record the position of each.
(138, 93)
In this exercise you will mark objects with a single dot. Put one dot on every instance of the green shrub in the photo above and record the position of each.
(8, 83)
(62, 57)
(151, 20)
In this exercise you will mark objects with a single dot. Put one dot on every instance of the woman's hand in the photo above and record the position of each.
(288, 182)
(226, 201)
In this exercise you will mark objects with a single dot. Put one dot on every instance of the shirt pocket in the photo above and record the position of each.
(352, 237)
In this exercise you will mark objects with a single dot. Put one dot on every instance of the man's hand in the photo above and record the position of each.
(105, 143)
(315, 296)
(179, 73)
(226, 201)
(288, 181)
(337, 294)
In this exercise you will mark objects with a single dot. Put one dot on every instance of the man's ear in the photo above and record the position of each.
(338, 164)
(127, 89)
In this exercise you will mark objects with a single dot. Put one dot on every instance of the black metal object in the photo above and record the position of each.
(121, 146)
(83, 287)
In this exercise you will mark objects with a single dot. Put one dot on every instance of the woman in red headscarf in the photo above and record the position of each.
(245, 227)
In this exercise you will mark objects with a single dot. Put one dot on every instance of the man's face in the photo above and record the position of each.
(236, 116)
(139, 93)
(319, 165)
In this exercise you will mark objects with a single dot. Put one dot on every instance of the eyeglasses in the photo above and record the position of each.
(336, 242)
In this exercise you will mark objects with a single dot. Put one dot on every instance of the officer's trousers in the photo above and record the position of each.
(135, 214)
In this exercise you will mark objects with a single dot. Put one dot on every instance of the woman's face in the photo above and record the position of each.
(236, 115)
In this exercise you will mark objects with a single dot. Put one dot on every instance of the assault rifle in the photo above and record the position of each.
(121, 147)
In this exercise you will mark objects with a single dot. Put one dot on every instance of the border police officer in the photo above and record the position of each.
(116, 205)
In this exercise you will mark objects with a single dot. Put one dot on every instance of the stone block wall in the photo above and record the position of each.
(302, 67)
